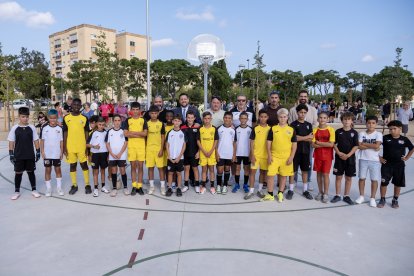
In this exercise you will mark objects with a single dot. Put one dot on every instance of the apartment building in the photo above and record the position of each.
(79, 43)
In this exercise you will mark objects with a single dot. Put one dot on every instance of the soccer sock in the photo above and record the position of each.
(86, 177)
(17, 182)
(395, 197)
(59, 183)
(124, 180)
(73, 178)
(260, 186)
(251, 190)
(162, 183)
(48, 187)
(270, 193)
(134, 184)
(96, 186)
(186, 183)
(246, 179)
(226, 178)
(197, 183)
(305, 187)
(237, 179)
(139, 185)
(203, 183)
(219, 179)
(151, 182)
(113, 176)
(212, 183)
(280, 192)
(32, 179)
(291, 187)
(103, 185)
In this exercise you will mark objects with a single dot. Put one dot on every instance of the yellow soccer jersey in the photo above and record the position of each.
(75, 127)
(136, 125)
(259, 135)
(155, 130)
(282, 139)
(207, 136)
(168, 128)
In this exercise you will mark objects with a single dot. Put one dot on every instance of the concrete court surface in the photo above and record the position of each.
(200, 234)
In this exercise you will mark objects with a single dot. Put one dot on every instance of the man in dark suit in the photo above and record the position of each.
(185, 107)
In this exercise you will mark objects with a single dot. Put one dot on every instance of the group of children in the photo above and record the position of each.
(183, 145)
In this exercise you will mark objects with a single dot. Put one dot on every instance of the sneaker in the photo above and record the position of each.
(202, 190)
(348, 200)
(248, 196)
(35, 194)
(310, 186)
(105, 190)
(197, 189)
(15, 196)
(318, 197)
(381, 203)
(218, 190)
(336, 198)
(60, 192)
(184, 189)
(268, 198)
(325, 198)
(213, 190)
(114, 192)
(126, 192)
(163, 190)
(394, 204)
(372, 202)
(134, 191)
(235, 188)
(178, 192)
(260, 194)
(224, 190)
(73, 190)
(140, 191)
(246, 188)
(289, 195)
(48, 193)
(169, 192)
(280, 197)
(307, 195)
(359, 200)
(88, 189)
(151, 190)
(95, 192)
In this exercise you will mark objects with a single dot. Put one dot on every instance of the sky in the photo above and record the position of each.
(299, 35)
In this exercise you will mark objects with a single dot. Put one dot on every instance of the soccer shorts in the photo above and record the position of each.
(136, 154)
(278, 166)
(99, 160)
(211, 161)
(302, 161)
(322, 166)
(394, 173)
(347, 166)
(74, 157)
(175, 167)
(243, 159)
(224, 162)
(260, 163)
(373, 167)
(21, 165)
(52, 162)
(152, 160)
(117, 163)
(191, 161)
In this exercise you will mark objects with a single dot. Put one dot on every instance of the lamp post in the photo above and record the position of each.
(241, 68)
(248, 64)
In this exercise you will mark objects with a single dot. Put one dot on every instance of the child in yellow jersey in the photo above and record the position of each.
(136, 129)
(155, 148)
(258, 154)
(281, 148)
(207, 142)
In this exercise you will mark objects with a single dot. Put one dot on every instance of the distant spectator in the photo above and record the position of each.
(121, 110)
(404, 115)
(354, 109)
(386, 111)
(272, 108)
(94, 107)
(217, 113)
(60, 113)
(87, 111)
(67, 106)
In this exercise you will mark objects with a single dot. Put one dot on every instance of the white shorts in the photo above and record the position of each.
(373, 167)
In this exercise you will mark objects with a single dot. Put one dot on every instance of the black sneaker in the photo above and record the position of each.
(73, 190)
(348, 200)
(336, 198)
(178, 192)
(394, 204)
(381, 203)
(289, 195)
(88, 189)
(134, 191)
(307, 195)
(169, 192)
(140, 191)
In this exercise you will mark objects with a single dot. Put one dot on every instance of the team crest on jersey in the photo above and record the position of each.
(288, 132)
(352, 135)
(401, 142)
(121, 135)
(181, 135)
(194, 130)
(57, 131)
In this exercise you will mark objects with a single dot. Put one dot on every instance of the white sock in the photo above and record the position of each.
(151, 183)
(305, 187)
(48, 184)
(251, 190)
(59, 183)
(291, 187)
(162, 183)
(260, 186)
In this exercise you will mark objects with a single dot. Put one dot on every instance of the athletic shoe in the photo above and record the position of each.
(95, 192)
(372, 202)
(280, 197)
(126, 192)
(140, 191)
(248, 196)
(394, 204)
(169, 192)
(325, 198)
(114, 192)
(360, 199)
(105, 190)
(178, 192)
(197, 189)
(310, 186)
(268, 197)
(151, 190)
(318, 197)
(163, 190)
(289, 195)
(202, 190)
(60, 192)
(336, 198)
(218, 190)
(224, 190)
(88, 189)
(134, 191)
(184, 189)
(73, 190)
(213, 190)
(15, 196)
(348, 200)
(307, 195)
(246, 188)
(35, 194)
(48, 193)
(381, 203)
(260, 194)
(235, 188)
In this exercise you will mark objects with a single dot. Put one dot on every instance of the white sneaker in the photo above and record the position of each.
(114, 192)
(224, 190)
(126, 191)
(310, 186)
(184, 189)
(61, 193)
(163, 190)
(48, 193)
(360, 199)
(35, 194)
(151, 190)
(197, 189)
(372, 202)
(105, 190)
(15, 196)
(95, 192)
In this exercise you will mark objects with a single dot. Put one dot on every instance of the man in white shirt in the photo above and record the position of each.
(405, 114)
(217, 113)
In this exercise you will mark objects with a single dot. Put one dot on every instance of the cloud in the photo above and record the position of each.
(164, 42)
(12, 11)
(328, 46)
(206, 15)
(222, 23)
(368, 58)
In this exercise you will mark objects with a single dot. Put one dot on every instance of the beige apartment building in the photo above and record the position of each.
(79, 43)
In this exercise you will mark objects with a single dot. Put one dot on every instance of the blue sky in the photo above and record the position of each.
(298, 35)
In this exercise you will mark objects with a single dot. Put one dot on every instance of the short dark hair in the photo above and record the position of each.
(190, 112)
(303, 91)
(323, 112)
(262, 111)
(183, 94)
(77, 100)
(300, 107)
(228, 113)
(117, 116)
(135, 105)
(206, 113)
(57, 104)
(24, 111)
(372, 118)
(274, 92)
(178, 116)
(244, 113)
(347, 115)
(395, 123)
(93, 119)
(216, 97)
(170, 111)
(100, 120)
(153, 108)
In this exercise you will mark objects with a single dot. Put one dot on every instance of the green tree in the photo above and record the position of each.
(220, 80)
(323, 81)
(136, 75)
(288, 83)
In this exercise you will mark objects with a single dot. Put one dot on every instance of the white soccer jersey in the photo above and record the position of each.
(51, 136)
(227, 136)
(97, 138)
(372, 138)
(116, 140)
(176, 139)
(243, 141)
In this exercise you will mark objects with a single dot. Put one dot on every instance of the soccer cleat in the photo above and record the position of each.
(126, 191)
(325, 198)
(60, 192)
(307, 195)
(15, 196)
(318, 197)
(348, 200)
(48, 193)
(73, 190)
(218, 190)
(213, 190)
(394, 204)
(268, 197)
(95, 192)
(151, 190)
(360, 199)
(163, 190)
(178, 192)
(169, 192)
(381, 203)
(260, 194)
(235, 188)
(105, 190)
(246, 188)
(280, 197)
(184, 189)
(289, 195)
(336, 198)
(224, 190)
(248, 196)
(202, 190)
(197, 189)
(140, 191)
(372, 202)
(134, 191)
(114, 192)
(88, 189)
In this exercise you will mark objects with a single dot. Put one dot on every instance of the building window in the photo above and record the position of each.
(132, 43)
(93, 36)
(73, 50)
(132, 54)
(93, 49)
(73, 38)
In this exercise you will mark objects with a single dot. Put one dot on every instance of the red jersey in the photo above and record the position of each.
(323, 135)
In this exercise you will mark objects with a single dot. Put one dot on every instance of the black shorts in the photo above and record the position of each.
(99, 160)
(302, 161)
(191, 161)
(244, 159)
(175, 167)
(224, 162)
(347, 166)
(332, 114)
(117, 163)
(21, 165)
(396, 172)
(52, 162)
(404, 128)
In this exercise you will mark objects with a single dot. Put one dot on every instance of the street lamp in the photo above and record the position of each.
(241, 68)
(248, 64)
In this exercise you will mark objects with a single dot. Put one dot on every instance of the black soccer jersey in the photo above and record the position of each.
(191, 147)
(395, 148)
(23, 138)
(302, 129)
(346, 140)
